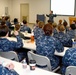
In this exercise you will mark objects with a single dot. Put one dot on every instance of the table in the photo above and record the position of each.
(26, 34)
(19, 69)
(32, 46)
(29, 45)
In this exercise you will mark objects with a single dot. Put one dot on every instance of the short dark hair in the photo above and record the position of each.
(6, 18)
(3, 23)
(3, 30)
(15, 21)
(24, 22)
(72, 26)
(48, 29)
(37, 21)
(49, 21)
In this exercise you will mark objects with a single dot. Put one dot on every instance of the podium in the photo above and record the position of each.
(41, 17)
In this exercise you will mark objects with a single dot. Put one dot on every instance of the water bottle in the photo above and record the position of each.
(24, 64)
(74, 44)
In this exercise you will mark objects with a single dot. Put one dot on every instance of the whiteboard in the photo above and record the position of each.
(63, 7)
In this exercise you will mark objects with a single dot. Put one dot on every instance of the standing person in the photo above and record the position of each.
(51, 16)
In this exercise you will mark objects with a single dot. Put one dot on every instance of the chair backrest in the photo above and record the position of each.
(41, 61)
(10, 55)
(70, 70)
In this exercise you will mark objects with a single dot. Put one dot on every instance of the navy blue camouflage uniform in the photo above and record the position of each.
(38, 32)
(6, 71)
(69, 59)
(64, 38)
(46, 46)
(25, 28)
(71, 33)
(6, 45)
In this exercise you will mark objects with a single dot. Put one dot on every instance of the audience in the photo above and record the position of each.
(7, 70)
(46, 46)
(25, 27)
(71, 31)
(38, 31)
(15, 21)
(35, 25)
(55, 31)
(63, 37)
(49, 37)
(66, 26)
(5, 44)
(60, 22)
(69, 59)
(7, 20)
(17, 28)
(49, 22)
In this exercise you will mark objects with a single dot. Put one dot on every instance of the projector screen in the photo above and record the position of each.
(63, 7)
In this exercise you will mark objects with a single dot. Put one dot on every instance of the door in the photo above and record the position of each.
(24, 12)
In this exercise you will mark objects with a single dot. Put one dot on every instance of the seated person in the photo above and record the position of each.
(17, 28)
(71, 31)
(5, 44)
(64, 38)
(49, 22)
(25, 27)
(15, 21)
(35, 25)
(69, 59)
(7, 20)
(66, 26)
(46, 46)
(60, 22)
(38, 31)
(55, 31)
(7, 70)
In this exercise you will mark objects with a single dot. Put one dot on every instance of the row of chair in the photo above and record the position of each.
(41, 61)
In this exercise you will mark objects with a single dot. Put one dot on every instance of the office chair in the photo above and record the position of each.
(70, 70)
(10, 55)
(41, 61)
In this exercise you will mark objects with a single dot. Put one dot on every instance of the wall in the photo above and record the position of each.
(3, 4)
(35, 7)
(15, 8)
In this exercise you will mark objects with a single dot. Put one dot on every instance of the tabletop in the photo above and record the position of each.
(21, 71)
(32, 46)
